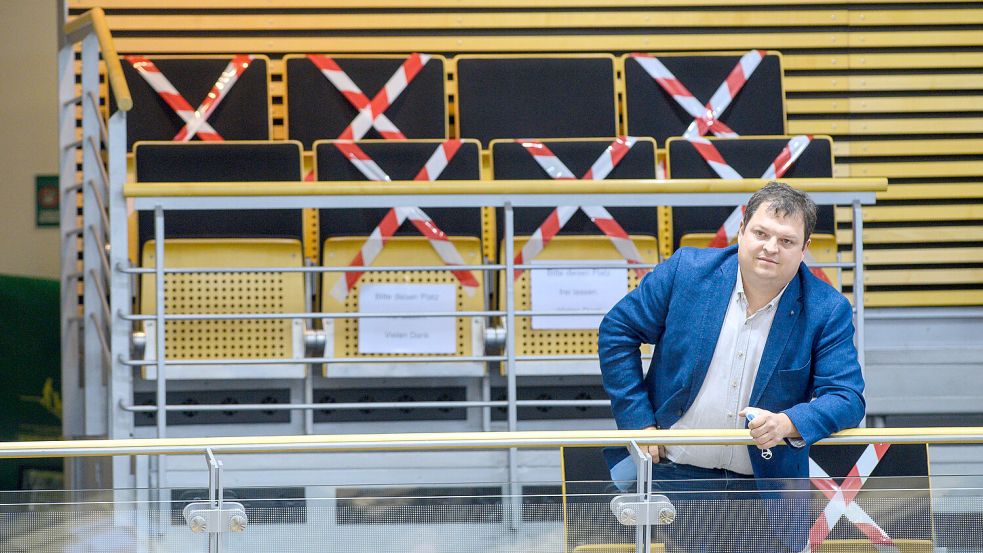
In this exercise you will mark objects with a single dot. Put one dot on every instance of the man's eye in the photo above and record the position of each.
(787, 242)
(759, 234)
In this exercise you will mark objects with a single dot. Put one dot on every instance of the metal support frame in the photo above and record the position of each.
(215, 516)
(642, 509)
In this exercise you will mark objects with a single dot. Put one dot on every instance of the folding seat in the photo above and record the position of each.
(801, 156)
(225, 239)
(695, 94)
(326, 94)
(628, 236)
(366, 237)
(556, 96)
(208, 98)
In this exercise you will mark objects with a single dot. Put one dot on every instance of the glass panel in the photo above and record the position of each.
(84, 521)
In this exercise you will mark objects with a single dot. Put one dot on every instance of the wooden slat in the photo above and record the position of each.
(901, 104)
(914, 169)
(905, 213)
(909, 39)
(943, 146)
(917, 277)
(861, 18)
(916, 60)
(918, 256)
(478, 20)
(462, 4)
(908, 235)
(916, 191)
(475, 43)
(962, 81)
(937, 125)
(922, 298)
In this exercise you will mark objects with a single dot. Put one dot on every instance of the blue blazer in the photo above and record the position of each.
(808, 369)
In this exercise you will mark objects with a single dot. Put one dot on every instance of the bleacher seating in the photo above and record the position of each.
(230, 93)
(518, 96)
(743, 89)
(351, 233)
(326, 91)
(582, 239)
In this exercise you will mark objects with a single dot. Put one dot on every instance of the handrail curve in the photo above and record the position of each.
(95, 19)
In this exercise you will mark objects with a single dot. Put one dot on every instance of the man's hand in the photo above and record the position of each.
(656, 451)
(770, 429)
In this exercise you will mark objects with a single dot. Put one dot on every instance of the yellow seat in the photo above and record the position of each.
(822, 249)
(342, 335)
(217, 293)
(530, 341)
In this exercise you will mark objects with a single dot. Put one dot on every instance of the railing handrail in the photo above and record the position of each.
(492, 187)
(459, 440)
(95, 20)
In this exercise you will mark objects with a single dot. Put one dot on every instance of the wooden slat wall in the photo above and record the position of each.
(898, 84)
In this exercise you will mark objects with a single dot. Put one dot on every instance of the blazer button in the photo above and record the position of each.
(679, 413)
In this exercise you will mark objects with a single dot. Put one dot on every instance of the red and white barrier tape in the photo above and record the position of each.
(196, 120)
(841, 501)
(600, 216)
(706, 118)
(371, 113)
(776, 169)
(391, 222)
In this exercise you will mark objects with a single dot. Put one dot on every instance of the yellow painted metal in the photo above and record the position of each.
(96, 19)
(445, 441)
(916, 60)
(930, 125)
(399, 251)
(909, 39)
(479, 43)
(861, 83)
(822, 249)
(922, 298)
(914, 169)
(478, 20)
(907, 213)
(915, 17)
(524, 186)
(917, 277)
(918, 256)
(215, 293)
(529, 341)
(909, 235)
(616, 548)
(923, 147)
(449, 4)
(917, 191)
(900, 104)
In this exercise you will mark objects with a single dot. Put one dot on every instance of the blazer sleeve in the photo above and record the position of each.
(639, 318)
(838, 383)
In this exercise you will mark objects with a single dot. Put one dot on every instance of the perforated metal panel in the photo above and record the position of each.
(215, 293)
(822, 248)
(566, 248)
(398, 251)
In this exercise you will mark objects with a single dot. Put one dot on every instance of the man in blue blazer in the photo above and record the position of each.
(742, 327)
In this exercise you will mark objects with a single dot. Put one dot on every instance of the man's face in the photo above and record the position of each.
(770, 248)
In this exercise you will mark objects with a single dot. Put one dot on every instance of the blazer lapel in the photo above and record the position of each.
(716, 297)
(788, 312)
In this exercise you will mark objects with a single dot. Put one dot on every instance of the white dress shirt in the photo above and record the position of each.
(727, 387)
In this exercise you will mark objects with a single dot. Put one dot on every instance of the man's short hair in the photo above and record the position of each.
(784, 201)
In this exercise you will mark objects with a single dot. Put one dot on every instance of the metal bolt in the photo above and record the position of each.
(628, 516)
(237, 523)
(197, 524)
(666, 516)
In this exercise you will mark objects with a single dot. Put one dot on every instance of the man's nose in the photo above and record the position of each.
(771, 244)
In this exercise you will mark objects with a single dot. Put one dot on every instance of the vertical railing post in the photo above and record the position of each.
(94, 380)
(159, 337)
(68, 186)
(515, 500)
(858, 280)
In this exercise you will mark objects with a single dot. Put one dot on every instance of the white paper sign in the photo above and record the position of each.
(576, 291)
(402, 334)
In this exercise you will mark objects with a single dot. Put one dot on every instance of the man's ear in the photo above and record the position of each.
(740, 231)
(806, 248)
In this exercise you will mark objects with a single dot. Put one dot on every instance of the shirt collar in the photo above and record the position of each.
(742, 298)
